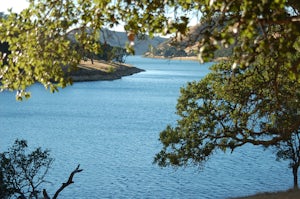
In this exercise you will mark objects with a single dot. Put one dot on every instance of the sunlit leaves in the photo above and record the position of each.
(41, 46)
(39, 36)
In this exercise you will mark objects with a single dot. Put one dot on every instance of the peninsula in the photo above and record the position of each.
(102, 71)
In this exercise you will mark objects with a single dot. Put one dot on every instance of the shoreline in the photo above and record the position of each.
(288, 194)
(102, 71)
(186, 58)
(190, 58)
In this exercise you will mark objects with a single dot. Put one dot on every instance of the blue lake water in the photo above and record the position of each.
(111, 128)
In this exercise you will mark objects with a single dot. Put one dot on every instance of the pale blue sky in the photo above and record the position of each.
(16, 5)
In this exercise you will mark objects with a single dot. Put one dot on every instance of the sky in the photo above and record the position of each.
(19, 5)
(16, 5)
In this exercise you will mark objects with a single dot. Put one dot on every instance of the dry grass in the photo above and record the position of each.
(98, 65)
(102, 70)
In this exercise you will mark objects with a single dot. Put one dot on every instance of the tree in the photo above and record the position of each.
(253, 27)
(39, 36)
(40, 45)
(23, 173)
(252, 99)
(290, 150)
(230, 108)
(173, 52)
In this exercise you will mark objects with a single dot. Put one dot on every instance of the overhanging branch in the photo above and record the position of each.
(285, 21)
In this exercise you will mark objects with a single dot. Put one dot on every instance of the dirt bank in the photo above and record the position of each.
(100, 71)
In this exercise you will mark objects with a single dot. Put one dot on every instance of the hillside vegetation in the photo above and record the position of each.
(119, 39)
(186, 45)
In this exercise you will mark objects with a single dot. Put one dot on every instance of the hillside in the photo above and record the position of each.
(120, 39)
(185, 46)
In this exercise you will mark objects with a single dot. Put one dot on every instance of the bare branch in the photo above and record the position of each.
(293, 19)
(45, 194)
(70, 181)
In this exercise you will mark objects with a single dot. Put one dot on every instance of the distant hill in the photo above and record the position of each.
(185, 46)
(120, 39)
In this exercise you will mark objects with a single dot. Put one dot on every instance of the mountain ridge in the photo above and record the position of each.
(119, 39)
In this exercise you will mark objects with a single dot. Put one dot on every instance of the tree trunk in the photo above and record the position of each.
(295, 174)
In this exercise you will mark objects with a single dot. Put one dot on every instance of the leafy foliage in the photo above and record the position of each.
(39, 44)
(253, 27)
(169, 51)
(111, 53)
(290, 150)
(229, 108)
(22, 173)
(106, 52)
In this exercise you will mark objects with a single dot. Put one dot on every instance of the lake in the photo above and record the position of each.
(111, 128)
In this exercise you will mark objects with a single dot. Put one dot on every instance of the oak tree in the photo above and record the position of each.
(23, 173)
(254, 97)
(229, 108)
(290, 150)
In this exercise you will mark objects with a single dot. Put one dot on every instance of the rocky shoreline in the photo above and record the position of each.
(102, 71)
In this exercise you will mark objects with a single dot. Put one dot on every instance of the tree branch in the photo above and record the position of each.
(45, 194)
(70, 181)
(287, 20)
